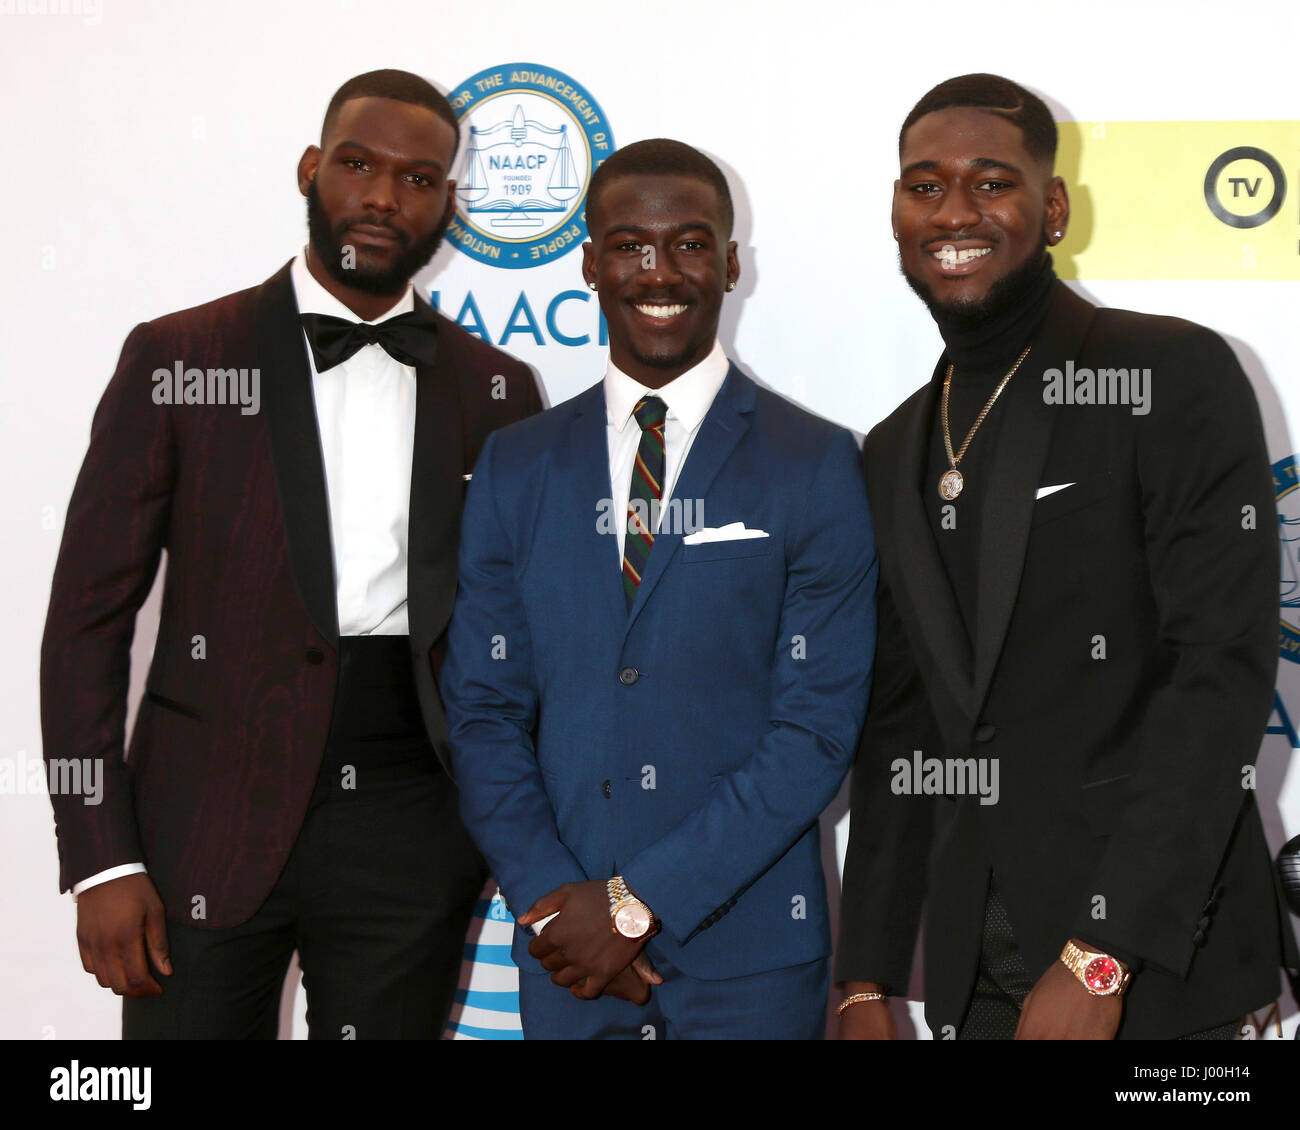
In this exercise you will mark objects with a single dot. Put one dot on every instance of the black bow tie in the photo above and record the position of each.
(409, 338)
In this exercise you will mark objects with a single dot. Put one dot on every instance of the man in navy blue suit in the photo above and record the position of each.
(660, 654)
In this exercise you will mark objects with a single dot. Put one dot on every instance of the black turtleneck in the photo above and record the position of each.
(980, 356)
(1004, 333)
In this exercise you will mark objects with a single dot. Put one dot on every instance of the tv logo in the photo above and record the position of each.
(1245, 187)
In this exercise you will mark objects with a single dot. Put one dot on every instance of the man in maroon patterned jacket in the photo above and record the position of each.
(300, 450)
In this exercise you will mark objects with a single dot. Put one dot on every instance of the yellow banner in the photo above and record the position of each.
(1181, 200)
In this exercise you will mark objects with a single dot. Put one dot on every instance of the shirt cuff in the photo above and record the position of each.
(104, 876)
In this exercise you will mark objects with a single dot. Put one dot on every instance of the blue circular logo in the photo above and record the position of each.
(532, 137)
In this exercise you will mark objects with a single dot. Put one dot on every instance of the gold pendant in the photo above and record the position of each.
(950, 485)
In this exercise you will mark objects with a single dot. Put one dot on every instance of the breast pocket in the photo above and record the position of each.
(726, 550)
(1069, 500)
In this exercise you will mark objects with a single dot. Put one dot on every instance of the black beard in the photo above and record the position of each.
(329, 250)
(651, 361)
(1003, 296)
(679, 361)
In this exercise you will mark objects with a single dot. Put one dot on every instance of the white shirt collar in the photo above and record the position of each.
(315, 299)
(687, 397)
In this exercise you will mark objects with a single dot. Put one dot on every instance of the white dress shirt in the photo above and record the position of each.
(365, 408)
(687, 399)
(366, 411)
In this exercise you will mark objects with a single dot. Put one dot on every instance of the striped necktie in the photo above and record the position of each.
(646, 494)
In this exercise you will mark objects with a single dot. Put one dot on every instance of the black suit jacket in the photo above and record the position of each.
(1122, 817)
(226, 746)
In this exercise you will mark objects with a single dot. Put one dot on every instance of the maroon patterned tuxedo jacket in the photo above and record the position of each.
(226, 748)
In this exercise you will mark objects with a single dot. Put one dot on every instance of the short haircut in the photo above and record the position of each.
(997, 95)
(401, 86)
(661, 156)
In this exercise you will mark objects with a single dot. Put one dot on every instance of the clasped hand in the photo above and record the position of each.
(582, 951)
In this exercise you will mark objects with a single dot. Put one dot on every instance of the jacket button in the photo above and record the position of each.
(985, 732)
(606, 789)
(1203, 924)
(315, 655)
(628, 676)
(1198, 938)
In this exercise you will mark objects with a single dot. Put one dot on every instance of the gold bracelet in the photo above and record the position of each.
(858, 998)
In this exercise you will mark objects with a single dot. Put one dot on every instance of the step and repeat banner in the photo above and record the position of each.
(151, 163)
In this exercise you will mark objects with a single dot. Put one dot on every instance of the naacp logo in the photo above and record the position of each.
(1286, 481)
(534, 138)
(1245, 187)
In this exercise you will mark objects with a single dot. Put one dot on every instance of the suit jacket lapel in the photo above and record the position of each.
(437, 494)
(583, 464)
(925, 578)
(725, 422)
(1015, 476)
(295, 449)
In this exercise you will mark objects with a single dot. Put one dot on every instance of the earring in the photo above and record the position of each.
(731, 286)
(895, 235)
(592, 285)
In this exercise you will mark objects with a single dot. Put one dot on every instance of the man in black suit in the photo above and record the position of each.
(287, 785)
(1077, 638)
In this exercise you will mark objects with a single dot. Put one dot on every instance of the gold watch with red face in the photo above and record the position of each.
(1101, 974)
(628, 915)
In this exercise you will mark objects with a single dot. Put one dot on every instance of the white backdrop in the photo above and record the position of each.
(149, 150)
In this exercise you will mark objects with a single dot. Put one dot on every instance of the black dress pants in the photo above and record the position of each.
(376, 896)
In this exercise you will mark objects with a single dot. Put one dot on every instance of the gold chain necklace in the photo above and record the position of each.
(951, 482)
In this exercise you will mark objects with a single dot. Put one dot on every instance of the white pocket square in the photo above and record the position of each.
(735, 531)
(467, 477)
(1043, 492)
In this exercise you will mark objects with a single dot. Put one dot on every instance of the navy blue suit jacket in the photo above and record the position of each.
(689, 744)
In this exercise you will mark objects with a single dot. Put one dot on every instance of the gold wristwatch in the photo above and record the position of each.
(1101, 974)
(628, 915)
